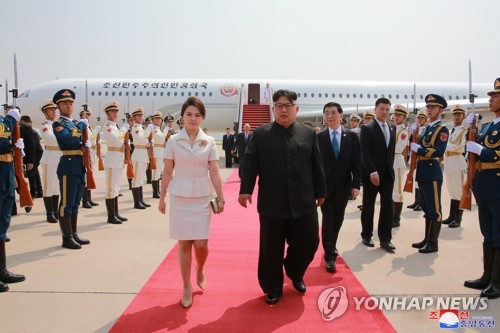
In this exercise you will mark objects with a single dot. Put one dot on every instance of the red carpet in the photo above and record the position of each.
(233, 300)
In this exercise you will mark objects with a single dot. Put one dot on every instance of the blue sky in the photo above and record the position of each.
(383, 40)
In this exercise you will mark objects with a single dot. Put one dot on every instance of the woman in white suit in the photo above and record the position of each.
(194, 156)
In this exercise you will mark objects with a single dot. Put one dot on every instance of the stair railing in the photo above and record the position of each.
(239, 118)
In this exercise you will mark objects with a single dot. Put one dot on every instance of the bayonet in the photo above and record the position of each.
(15, 90)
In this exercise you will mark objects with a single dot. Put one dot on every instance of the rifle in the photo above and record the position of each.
(98, 151)
(466, 199)
(87, 161)
(152, 161)
(413, 165)
(128, 162)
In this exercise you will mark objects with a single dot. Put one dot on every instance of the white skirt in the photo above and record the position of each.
(189, 217)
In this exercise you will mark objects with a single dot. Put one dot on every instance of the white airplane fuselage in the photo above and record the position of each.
(222, 97)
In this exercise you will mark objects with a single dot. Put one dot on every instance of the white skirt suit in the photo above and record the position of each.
(190, 189)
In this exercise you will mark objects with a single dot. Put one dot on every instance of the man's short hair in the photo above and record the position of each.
(382, 100)
(290, 95)
(330, 104)
(26, 119)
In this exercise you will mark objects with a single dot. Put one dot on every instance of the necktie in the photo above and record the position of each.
(246, 137)
(335, 144)
(384, 129)
(453, 130)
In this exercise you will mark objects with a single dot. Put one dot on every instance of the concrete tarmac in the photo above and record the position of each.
(87, 290)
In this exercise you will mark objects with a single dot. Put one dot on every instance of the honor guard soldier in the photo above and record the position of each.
(354, 119)
(455, 165)
(430, 149)
(131, 123)
(71, 169)
(180, 123)
(420, 124)
(50, 160)
(113, 161)
(159, 143)
(402, 136)
(7, 125)
(368, 116)
(486, 188)
(140, 157)
(149, 173)
(87, 194)
(169, 124)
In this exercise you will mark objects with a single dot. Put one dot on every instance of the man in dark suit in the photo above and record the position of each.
(240, 144)
(227, 145)
(285, 156)
(342, 163)
(378, 140)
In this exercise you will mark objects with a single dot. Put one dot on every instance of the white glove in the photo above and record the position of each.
(88, 144)
(150, 128)
(98, 142)
(125, 127)
(474, 147)
(414, 127)
(85, 121)
(19, 143)
(97, 129)
(128, 142)
(469, 120)
(14, 113)
(414, 147)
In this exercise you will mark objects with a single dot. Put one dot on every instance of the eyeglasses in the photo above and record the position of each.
(288, 106)
(331, 113)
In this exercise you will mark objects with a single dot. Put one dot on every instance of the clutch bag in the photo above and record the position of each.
(214, 203)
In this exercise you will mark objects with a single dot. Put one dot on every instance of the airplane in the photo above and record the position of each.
(224, 98)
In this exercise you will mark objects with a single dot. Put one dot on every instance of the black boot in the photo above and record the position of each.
(130, 183)
(149, 175)
(415, 203)
(484, 280)
(453, 211)
(89, 196)
(137, 198)
(3, 287)
(5, 275)
(55, 205)
(110, 207)
(74, 228)
(49, 209)
(67, 236)
(418, 207)
(458, 219)
(398, 207)
(156, 189)
(142, 198)
(117, 214)
(426, 235)
(13, 211)
(432, 241)
(493, 289)
(85, 199)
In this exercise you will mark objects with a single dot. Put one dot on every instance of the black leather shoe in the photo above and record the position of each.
(273, 298)
(330, 266)
(429, 248)
(368, 242)
(387, 246)
(300, 286)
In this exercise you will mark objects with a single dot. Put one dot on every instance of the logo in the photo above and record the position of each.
(448, 318)
(332, 303)
(228, 90)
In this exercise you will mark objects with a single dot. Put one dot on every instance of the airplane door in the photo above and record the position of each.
(253, 93)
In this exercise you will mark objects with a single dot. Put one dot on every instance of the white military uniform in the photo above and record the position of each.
(159, 149)
(114, 159)
(140, 157)
(356, 130)
(454, 163)
(402, 138)
(50, 160)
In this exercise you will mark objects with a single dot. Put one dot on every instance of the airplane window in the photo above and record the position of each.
(465, 97)
(182, 93)
(353, 95)
(106, 93)
(412, 96)
(210, 94)
(154, 93)
(175, 93)
(113, 93)
(203, 94)
(360, 95)
(333, 95)
(196, 93)
(161, 94)
(383, 96)
(449, 97)
(458, 97)
(406, 96)
(368, 96)
(312, 95)
(126, 94)
(397, 96)
(140, 94)
(421, 97)
(375, 96)
(319, 95)
(99, 93)
(134, 93)
(340, 95)
(168, 93)
(189, 94)
(147, 93)
(347, 95)
(390, 95)
(92, 93)
(120, 93)
(305, 95)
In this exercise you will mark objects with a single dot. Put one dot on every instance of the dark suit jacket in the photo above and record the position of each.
(290, 170)
(341, 172)
(375, 155)
(29, 143)
(240, 143)
(227, 142)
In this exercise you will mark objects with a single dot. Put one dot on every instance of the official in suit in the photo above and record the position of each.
(7, 125)
(240, 144)
(486, 188)
(342, 165)
(378, 139)
(71, 170)
(285, 156)
(430, 149)
(227, 145)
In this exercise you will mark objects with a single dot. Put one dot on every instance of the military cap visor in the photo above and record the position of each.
(435, 100)
(64, 95)
(496, 88)
(48, 105)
